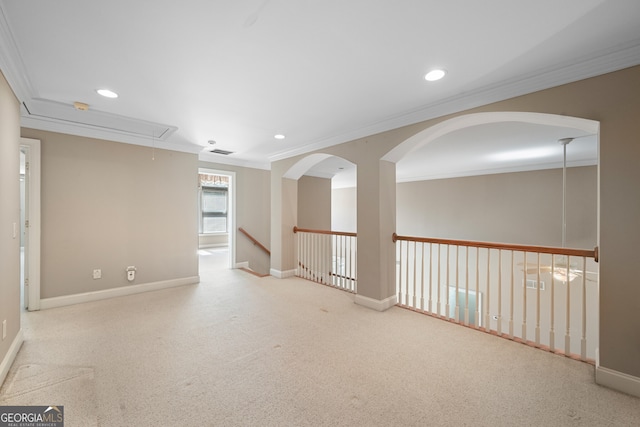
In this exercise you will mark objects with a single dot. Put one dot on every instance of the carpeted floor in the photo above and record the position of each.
(238, 350)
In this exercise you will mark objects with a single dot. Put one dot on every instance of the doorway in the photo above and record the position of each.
(216, 211)
(29, 224)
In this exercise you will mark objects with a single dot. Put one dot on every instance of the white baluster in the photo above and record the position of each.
(334, 260)
(325, 257)
(466, 286)
(552, 333)
(297, 243)
(537, 304)
(303, 246)
(567, 334)
(314, 257)
(511, 297)
(487, 317)
(524, 301)
(439, 307)
(446, 307)
(415, 280)
(350, 252)
(583, 343)
(299, 266)
(355, 264)
(457, 306)
(499, 328)
(477, 287)
(308, 256)
(422, 278)
(430, 277)
(401, 296)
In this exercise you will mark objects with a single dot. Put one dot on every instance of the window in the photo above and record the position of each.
(214, 203)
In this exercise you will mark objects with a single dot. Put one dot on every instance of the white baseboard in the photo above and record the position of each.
(618, 380)
(243, 264)
(378, 305)
(115, 292)
(10, 357)
(282, 274)
(214, 245)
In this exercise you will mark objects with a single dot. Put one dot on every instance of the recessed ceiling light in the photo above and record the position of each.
(434, 75)
(107, 93)
(279, 136)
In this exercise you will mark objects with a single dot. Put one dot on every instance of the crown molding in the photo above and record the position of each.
(601, 62)
(496, 171)
(206, 156)
(88, 131)
(11, 64)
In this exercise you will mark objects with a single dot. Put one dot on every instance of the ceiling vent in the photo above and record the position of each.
(223, 152)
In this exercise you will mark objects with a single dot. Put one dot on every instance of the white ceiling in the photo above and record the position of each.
(320, 72)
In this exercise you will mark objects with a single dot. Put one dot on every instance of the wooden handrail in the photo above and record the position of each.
(512, 247)
(253, 239)
(335, 233)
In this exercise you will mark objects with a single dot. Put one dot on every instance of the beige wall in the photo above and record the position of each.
(344, 209)
(252, 213)
(107, 205)
(522, 208)
(314, 203)
(9, 215)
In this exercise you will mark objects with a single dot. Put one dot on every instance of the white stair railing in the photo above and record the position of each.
(327, 257)
(544, 296)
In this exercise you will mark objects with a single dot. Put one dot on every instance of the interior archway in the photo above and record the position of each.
(341, 174)
(511, 208)
(443, 128)
(492, 144)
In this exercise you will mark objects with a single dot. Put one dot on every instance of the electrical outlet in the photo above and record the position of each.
(97, 273)
(4, 329)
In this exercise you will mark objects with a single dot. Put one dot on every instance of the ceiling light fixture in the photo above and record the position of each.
(80, 106)
(107, 93)
(279, 136)
(434, 75)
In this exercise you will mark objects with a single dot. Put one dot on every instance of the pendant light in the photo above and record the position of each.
(564, 274)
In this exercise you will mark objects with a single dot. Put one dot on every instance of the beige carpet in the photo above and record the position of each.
(237, 350)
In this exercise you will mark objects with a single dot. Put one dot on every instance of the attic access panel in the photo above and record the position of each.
(52, 111)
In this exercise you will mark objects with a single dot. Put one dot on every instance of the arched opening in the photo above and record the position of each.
(498, 178)
(434, 132)
(321, 177)
(325, 241)
(500, 148)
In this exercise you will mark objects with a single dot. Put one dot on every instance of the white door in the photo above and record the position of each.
(24, 235)
(30, 222)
